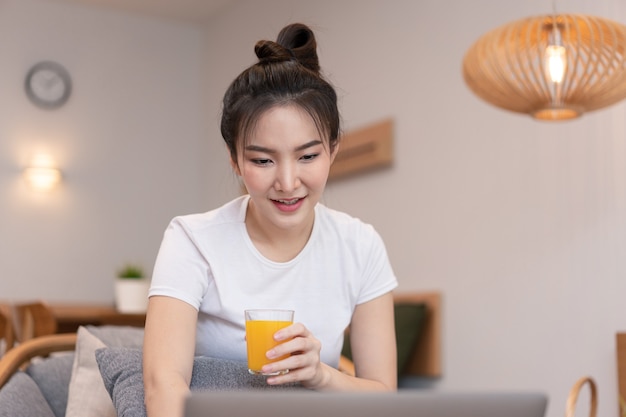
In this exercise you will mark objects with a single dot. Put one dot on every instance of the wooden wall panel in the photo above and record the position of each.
(364, 149)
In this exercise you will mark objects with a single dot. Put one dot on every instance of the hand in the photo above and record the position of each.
(304, 362)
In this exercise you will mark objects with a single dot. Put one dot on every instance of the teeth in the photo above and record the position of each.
(288, 202)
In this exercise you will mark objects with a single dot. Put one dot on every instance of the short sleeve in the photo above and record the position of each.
(180, 270)
(378, 273)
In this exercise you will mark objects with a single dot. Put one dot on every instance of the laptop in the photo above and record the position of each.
(404, 403)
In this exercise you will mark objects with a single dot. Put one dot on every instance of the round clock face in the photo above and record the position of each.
(48, 85)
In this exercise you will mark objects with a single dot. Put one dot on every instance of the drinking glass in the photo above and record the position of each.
(260, 328)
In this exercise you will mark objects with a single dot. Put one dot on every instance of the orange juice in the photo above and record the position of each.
(260, 339)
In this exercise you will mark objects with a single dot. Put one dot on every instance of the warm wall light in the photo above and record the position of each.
(553, 67)
(42, 173)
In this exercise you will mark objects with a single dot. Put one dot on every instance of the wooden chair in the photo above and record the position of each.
(21, 355)
(7, 336)
(570, 406)
(31, 320)
(4, 323)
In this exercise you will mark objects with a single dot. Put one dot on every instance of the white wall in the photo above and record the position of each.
(131, 143)
(521, 224)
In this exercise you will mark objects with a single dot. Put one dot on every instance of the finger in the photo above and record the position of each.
(296, 373)
(292, 362)
(294, 346)
(283, 373)
(287, 378)
(289, 332)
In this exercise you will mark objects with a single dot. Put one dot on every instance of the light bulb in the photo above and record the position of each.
(556, 61)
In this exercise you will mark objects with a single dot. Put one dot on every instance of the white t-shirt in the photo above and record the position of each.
(209, 261)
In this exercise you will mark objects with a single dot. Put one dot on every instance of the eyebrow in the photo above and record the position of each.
(257, 148)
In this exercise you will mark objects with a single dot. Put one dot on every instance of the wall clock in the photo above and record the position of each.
(48, 85)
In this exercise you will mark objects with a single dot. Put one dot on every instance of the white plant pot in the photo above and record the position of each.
(131, 295)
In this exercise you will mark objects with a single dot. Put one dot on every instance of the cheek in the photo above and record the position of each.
(253, 179)
(317, 178)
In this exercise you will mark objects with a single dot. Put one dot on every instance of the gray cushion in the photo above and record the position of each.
(87, 394)
(118, 336)
(121, 370)
(52, 376)
(21, 397)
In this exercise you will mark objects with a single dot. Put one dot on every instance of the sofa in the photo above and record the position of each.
(96, 371)
(103, 377)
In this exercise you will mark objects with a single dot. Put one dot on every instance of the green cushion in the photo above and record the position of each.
(409, 323)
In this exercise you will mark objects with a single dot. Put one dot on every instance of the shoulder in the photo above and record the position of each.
(345, 225)
(230, 213)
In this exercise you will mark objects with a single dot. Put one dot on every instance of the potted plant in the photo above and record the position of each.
(131, 290)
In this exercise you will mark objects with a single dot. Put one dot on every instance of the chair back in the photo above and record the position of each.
(7, 337)
(3, 329)
(32, 320)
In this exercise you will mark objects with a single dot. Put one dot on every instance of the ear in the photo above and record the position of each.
(334, 153)
(234, 165)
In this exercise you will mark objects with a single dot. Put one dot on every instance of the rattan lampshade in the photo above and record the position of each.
(507, 66)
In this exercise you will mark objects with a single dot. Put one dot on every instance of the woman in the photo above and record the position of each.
(276, 247)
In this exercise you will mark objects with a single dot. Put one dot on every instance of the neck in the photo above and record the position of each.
(276, 243)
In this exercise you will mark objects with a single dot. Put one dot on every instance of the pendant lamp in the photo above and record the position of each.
(552, 67)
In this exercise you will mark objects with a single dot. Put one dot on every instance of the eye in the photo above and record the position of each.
(309, 157)
(261, 161)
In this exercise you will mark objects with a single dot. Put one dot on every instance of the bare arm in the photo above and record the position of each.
(373, 341)
(372, 337)
(168, 351)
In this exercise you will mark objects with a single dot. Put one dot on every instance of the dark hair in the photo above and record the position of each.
(287, 73)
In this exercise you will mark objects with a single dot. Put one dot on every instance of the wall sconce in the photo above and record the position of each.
(42, 175)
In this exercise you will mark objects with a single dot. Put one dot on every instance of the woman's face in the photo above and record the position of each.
(284, 166)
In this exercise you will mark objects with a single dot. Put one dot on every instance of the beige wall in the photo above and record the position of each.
(521, 224)
(130, 142)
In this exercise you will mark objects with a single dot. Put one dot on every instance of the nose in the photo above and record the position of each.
(287, 178)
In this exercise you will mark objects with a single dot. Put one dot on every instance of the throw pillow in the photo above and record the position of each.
(52, 375)
(122, 373)
(21, 396)
(409, 323)
(87, 394)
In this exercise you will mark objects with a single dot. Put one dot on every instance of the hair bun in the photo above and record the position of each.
(268, 51)
(294, 42)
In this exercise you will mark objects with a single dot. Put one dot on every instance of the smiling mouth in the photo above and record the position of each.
(288, 205)
(289, 202)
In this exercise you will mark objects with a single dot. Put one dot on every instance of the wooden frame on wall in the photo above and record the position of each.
(364, 149)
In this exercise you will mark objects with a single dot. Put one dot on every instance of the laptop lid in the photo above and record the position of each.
(404, 403)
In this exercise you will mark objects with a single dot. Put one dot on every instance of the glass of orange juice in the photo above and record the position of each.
(260, 328)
